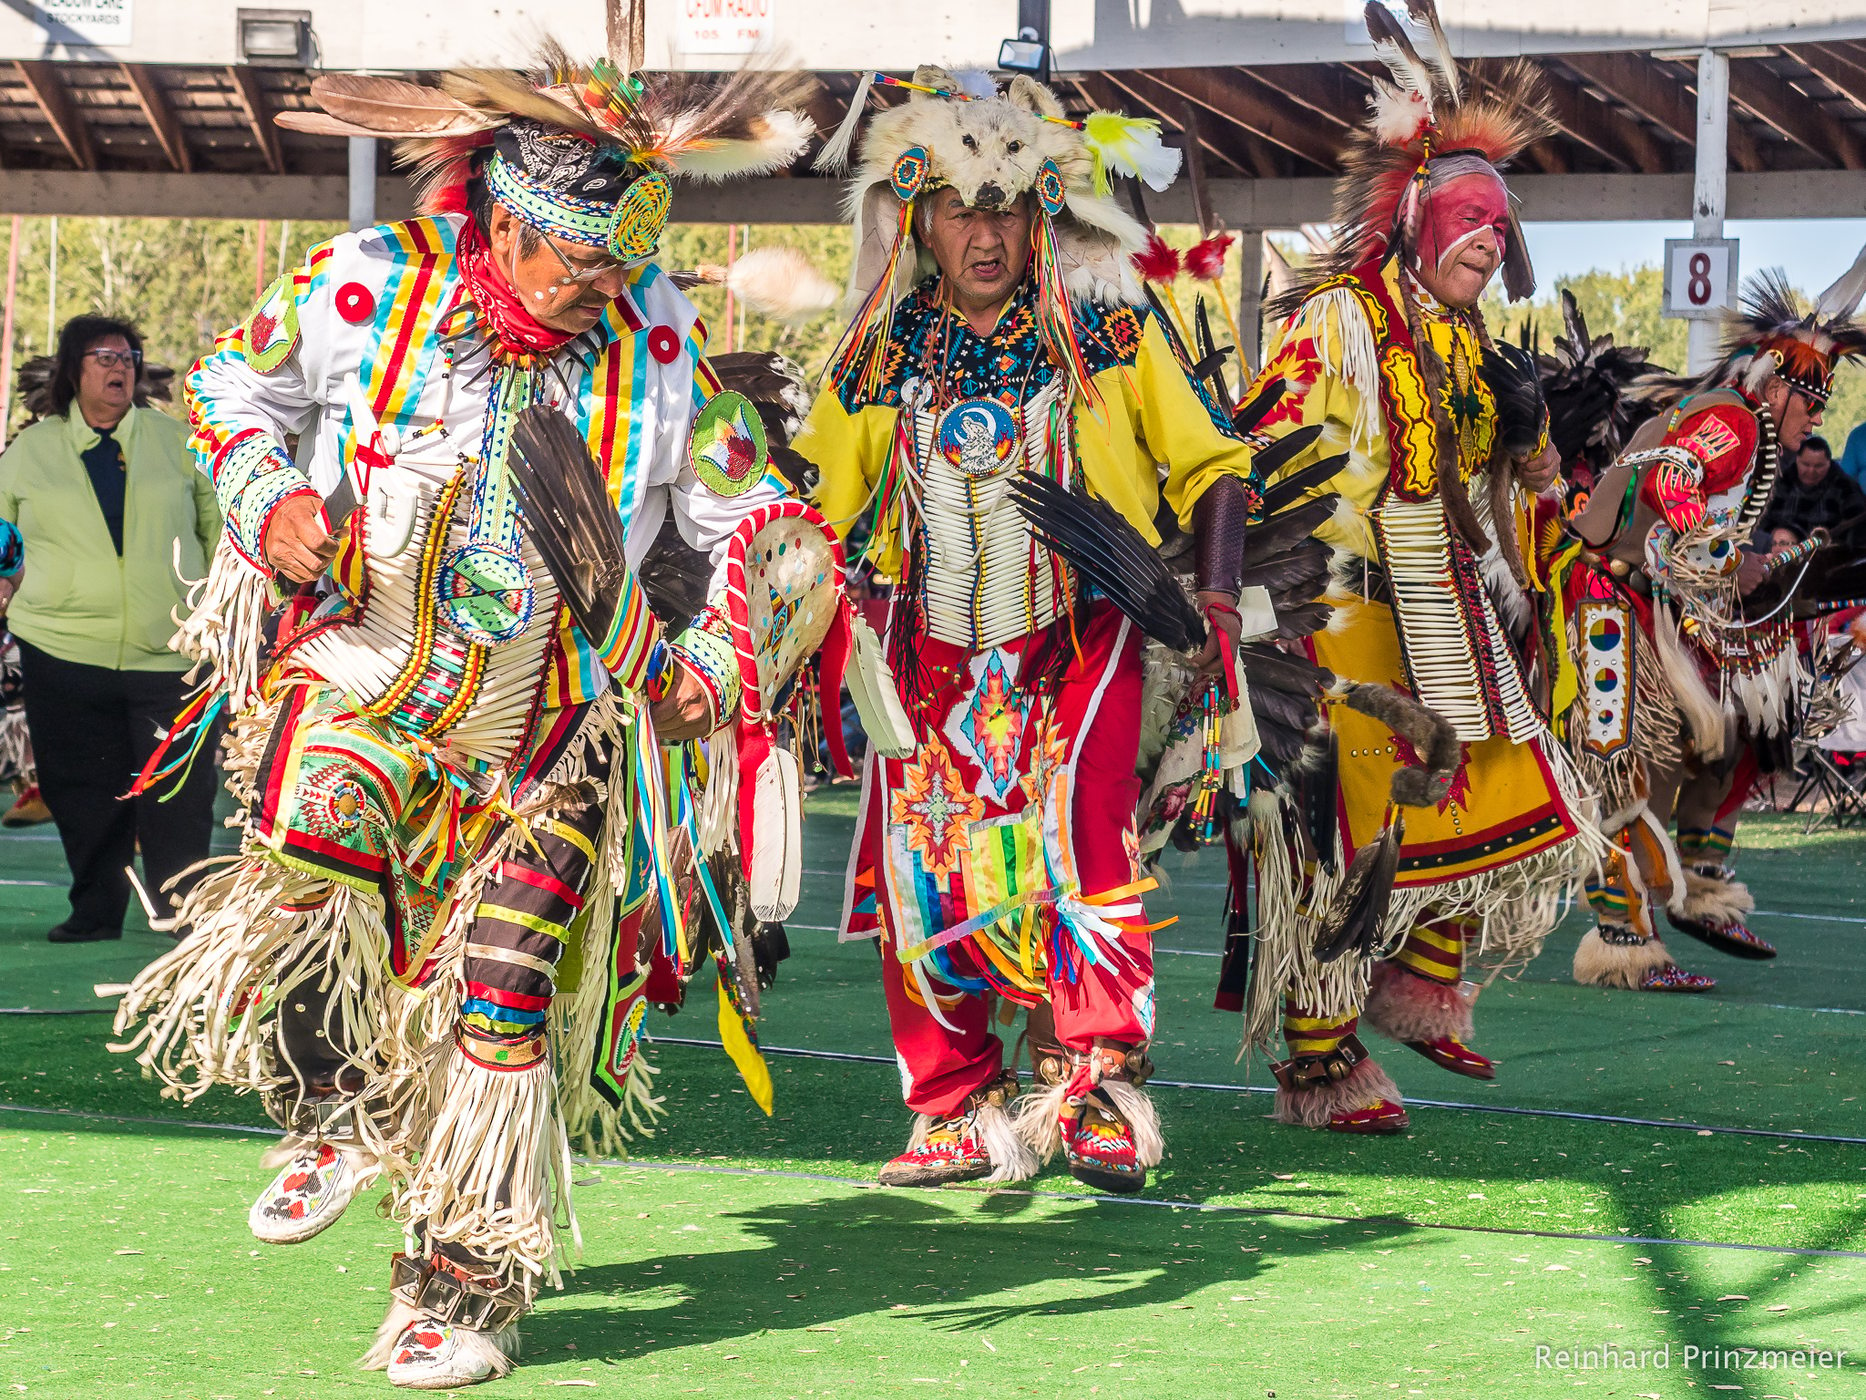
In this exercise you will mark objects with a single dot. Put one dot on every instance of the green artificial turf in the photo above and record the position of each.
(1336, 1266)
(126, 1270)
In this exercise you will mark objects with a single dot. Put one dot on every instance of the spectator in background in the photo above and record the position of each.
(108, 500)
(1811, 495)
(1853, 456)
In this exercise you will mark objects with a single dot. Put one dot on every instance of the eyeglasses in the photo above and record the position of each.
(575, 276)
(110, 359)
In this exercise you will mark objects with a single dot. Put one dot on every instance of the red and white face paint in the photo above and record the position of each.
(1459, 208)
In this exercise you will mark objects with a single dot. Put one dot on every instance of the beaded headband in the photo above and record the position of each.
(629, 228)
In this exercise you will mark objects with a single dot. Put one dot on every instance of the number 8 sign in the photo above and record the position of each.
(1700, 278)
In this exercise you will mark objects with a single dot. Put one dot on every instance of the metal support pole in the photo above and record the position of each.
(6, 328)
(1250, 298)
(1034, 15)
(1707, 191)
(362, 181)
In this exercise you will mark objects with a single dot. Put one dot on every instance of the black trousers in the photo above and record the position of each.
(92, 730)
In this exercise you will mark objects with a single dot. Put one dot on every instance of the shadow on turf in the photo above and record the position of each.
(910, 1254)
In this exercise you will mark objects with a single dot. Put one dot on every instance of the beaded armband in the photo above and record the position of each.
(251, 480)
(1677, 476)
(630, 641)
(705, 648)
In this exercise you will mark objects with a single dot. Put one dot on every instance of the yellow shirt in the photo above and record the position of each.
(1149, 435)
(1328, 354)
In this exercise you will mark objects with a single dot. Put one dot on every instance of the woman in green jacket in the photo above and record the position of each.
(110, 504)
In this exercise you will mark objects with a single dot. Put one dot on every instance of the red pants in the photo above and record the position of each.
(1090, 726)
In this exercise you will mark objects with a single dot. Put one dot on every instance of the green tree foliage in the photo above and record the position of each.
(1625, 305)
(184, 281)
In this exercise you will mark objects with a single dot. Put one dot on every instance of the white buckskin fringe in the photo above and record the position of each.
(1704, 716)
(1283, 960)
(260, 932)
(1598, 963)
(577, 1017)
(493, 1168)
(225, 627)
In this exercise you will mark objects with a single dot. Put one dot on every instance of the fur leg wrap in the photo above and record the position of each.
(1404, 1006)
(1115, 1073)
(1714, 901)
(1622, 961)
(1312, 1106)
(997, 1126)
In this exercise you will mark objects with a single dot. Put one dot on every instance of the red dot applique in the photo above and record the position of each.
(355, 303)
(664, 345)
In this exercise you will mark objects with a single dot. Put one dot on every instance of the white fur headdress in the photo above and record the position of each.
(961, 132)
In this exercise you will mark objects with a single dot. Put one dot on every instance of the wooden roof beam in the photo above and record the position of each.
(1773, 102)
(1245, 102)
(1845, 71)
(159, 115)
(258, 121)
(1597, 126)
(59, 110)
(1651, 90)
(1334, 92)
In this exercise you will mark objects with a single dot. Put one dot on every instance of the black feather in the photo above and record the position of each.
(676, 577)
(1299, 483)
(1280, 707)
(1352, 923)
(1268, 461)
(1510, 373)
(568, 515)
(1293, 624)
(1315, 797)
(1273, 667)
(1281, 747)
(1211, 364)
(1251, 412)
(1302, 570)
(1290, 528)
(1097, 541)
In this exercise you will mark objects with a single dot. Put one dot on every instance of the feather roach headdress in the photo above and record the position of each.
(1423, 127)
(586, 152)
(1594, 392)
(992, 147)
(1777, 333)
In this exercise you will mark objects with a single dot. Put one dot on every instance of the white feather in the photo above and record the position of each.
(1399, 114)
(834, 156)
(974, 82)
(1843, 298)
(781, 283)
(784, 137)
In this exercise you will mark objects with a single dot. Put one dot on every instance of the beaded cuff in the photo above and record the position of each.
(705, 648)
(252, 478)
(630, 641)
